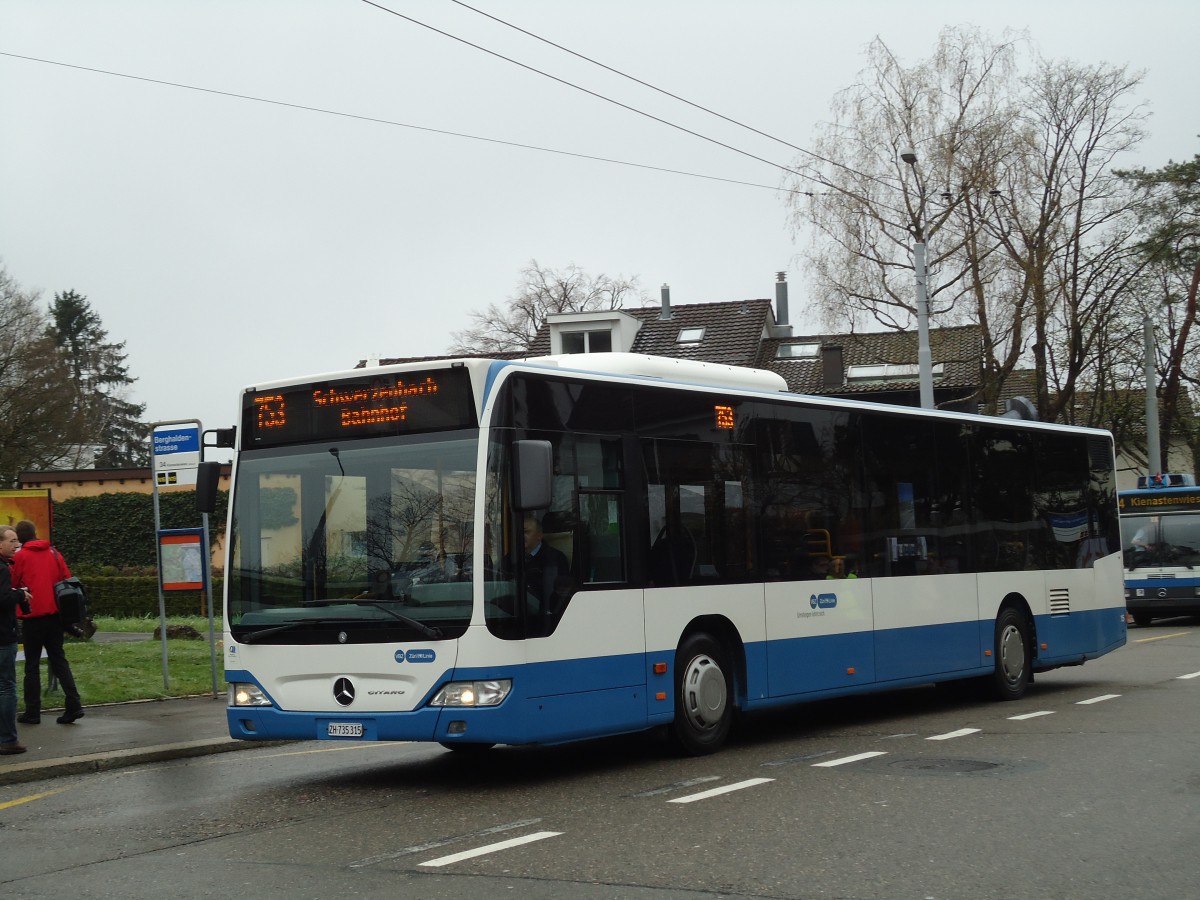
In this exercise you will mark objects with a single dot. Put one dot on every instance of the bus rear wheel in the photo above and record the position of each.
(703, 696)
(1013, 658)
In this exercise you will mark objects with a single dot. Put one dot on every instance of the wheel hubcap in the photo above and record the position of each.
(1012, 654)
(704, 693)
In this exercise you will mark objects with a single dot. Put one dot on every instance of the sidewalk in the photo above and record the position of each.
(121, 734)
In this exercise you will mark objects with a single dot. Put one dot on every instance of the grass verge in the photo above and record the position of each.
(114, 672)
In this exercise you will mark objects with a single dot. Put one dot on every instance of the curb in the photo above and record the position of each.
(19, 773)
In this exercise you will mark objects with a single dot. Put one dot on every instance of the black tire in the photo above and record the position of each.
(1141, 620)
(704, 700)
(1014, 657)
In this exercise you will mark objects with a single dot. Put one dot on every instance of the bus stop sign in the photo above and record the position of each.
(176, 454)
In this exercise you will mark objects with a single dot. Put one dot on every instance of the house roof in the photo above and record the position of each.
(736, 334)
(956, 349)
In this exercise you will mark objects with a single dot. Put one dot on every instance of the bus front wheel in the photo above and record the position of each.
(1013, 657)
(703, 696)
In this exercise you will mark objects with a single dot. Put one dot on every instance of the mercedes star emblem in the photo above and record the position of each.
(343, 691)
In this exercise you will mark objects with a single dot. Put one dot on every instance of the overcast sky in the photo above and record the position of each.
(229, 241)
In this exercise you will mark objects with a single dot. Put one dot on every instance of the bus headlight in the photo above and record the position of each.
(247, 695)
(473, 693)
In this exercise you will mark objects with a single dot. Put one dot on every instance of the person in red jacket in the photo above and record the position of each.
(38, 566)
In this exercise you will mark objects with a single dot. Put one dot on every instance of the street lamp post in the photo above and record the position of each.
(1153, 446)
(924, 355)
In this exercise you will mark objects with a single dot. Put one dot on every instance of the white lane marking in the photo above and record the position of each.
(716, 792)
(1189, 675)
(432, 845)
(962, 732)
(491, 848)
(666, 789)
(792, 760)
(1099, 699)
(1032, 715)
(829, 764)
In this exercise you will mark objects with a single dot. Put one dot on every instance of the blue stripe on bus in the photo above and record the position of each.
(546, 705)
(1079, 636)
(1152, 583)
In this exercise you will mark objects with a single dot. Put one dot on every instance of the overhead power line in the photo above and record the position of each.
(646, 84)
(598, 96)
(787, 169)
(666, 93)
(391, 122)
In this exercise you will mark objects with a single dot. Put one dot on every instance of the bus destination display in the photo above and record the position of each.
(1159, 500)
(360, 407)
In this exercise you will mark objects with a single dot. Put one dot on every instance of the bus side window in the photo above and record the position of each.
(603, 557)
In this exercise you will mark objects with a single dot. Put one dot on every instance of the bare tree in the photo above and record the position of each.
(1169, 213)
(1008, 183)
(540, 293)
(35, 395)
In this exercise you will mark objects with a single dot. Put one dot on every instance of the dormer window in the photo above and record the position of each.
(587, 341)
(889, 372)
(798, 351)
(598, 331)
(690, 336)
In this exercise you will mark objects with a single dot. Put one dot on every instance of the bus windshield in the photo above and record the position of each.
(368, 535)
(1160, 541)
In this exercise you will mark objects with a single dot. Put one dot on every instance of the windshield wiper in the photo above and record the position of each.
(430, 631)
(256, 636)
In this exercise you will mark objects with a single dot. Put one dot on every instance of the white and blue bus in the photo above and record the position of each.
(1160, 539)
(706, 542)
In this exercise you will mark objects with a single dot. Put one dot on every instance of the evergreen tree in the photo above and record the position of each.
(105, 420)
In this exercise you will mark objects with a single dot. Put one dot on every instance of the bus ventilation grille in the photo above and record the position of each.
(1160, 575)
(1060, 601)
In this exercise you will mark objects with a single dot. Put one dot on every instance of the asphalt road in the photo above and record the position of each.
(1088, 787)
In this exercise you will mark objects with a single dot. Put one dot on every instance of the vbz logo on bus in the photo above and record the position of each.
(823, 601)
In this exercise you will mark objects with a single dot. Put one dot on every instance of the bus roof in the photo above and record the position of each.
(485, 371)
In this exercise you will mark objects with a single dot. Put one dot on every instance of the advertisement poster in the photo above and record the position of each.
(32, 504)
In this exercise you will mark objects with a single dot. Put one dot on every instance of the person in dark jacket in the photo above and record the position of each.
(38, 566)
(547, 571)
(11, 599)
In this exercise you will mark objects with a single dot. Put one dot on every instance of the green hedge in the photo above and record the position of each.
(137, 597)
(112, 533)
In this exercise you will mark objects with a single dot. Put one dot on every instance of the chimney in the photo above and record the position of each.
(666, 303)
(832, 374)
(781, 299)
(781, 328)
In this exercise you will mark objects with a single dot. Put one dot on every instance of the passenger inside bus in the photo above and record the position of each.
(547, 570)
(1144, 537)
(830, 567)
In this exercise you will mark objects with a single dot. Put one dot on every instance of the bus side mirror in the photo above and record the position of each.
(533, 467)
(208, 476)
(221, 437)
